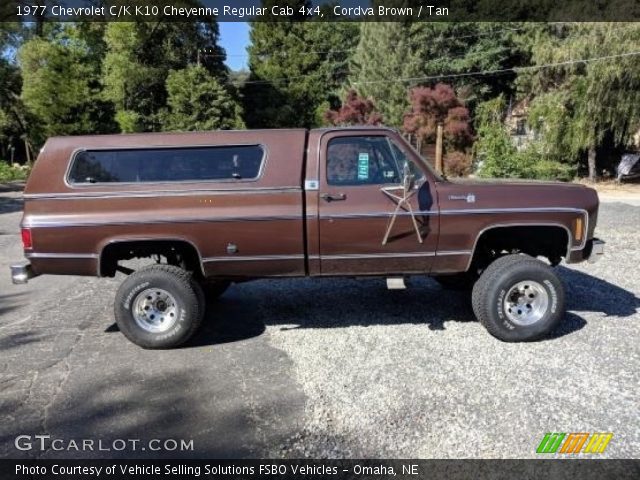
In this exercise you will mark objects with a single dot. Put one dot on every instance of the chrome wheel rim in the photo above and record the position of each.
(526, 302)
(155, 310)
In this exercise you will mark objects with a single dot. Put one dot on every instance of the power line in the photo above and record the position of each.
(501, 70)
(478, 73)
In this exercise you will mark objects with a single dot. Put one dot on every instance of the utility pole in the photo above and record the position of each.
(439, 165)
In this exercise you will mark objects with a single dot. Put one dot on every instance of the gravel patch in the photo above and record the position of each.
(411, 374)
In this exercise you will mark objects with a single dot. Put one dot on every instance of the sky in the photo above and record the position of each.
(234, 38)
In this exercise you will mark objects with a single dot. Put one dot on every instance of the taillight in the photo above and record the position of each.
(27, 242)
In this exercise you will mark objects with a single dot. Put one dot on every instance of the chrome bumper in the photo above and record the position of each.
(597, 250)
(20, 274)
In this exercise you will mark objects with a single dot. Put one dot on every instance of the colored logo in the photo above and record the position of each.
(574, 443)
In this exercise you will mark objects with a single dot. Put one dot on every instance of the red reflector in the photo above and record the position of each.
(26, 238)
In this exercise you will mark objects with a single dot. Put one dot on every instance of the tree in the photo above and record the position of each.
(457, 48)
(297, 68)
(585, 109)
(384, 59)
(355, 110)
(139, 57)
(60, 87)
(197, 101)
(435, 106)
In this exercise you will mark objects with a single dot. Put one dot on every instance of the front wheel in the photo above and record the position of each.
(518, 298)
(159, 306)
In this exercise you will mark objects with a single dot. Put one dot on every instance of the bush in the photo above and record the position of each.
(497, 157)
(13, 172)
(550, 170)
(457, 164)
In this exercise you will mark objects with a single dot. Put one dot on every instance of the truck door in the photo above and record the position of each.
(377, 206)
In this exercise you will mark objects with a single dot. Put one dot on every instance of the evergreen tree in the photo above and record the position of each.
(384, 58)
(139, 57)
(60, 87)
(297, 67)
(454, 48)
(197, 101)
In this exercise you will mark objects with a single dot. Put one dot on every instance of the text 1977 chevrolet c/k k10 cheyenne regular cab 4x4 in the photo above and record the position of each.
(213, 208)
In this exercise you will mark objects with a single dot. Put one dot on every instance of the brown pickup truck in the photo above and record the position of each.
(214, 208)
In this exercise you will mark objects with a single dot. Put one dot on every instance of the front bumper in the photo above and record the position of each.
(21, 273)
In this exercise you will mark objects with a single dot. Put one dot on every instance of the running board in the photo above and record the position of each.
(396, 283)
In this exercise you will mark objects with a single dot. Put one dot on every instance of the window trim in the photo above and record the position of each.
(77, 151)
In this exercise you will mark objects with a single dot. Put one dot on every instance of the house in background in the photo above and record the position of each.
(518, 126)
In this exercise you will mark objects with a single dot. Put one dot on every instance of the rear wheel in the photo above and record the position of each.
(518, 298)
(158, 306)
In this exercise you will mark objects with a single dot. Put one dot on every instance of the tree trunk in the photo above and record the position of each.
(439, 166)
(27, 151)
(591, 162)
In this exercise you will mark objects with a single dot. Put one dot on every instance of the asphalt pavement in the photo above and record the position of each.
(320, 368)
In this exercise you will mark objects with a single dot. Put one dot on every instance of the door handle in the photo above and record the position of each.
(329, 197)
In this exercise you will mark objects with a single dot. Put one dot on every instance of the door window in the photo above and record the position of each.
(361, 161)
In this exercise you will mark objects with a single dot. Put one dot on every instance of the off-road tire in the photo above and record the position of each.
(184, 292)
(499, 280)
(214, 288)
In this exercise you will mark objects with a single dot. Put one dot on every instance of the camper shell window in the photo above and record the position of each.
(163, 164)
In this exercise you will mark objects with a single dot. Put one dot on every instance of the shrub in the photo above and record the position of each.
(496, 155)
(457, 164)
(13, 172)
(551, 170)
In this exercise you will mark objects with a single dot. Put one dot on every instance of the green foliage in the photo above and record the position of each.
(60, 87)
(138, 59)
(497, 156)
(494, 151)
(581, 106)
(10, 173)
(295, 68)
(197, 101)
(462, 47)
(385, 53)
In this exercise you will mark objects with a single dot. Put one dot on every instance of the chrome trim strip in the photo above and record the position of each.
(358, 256)
(446, 253)
(61, 255)
(374, 215)
(480, 211)
(158, 193)
(513, 210)
(253, 258)
(63, 224)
